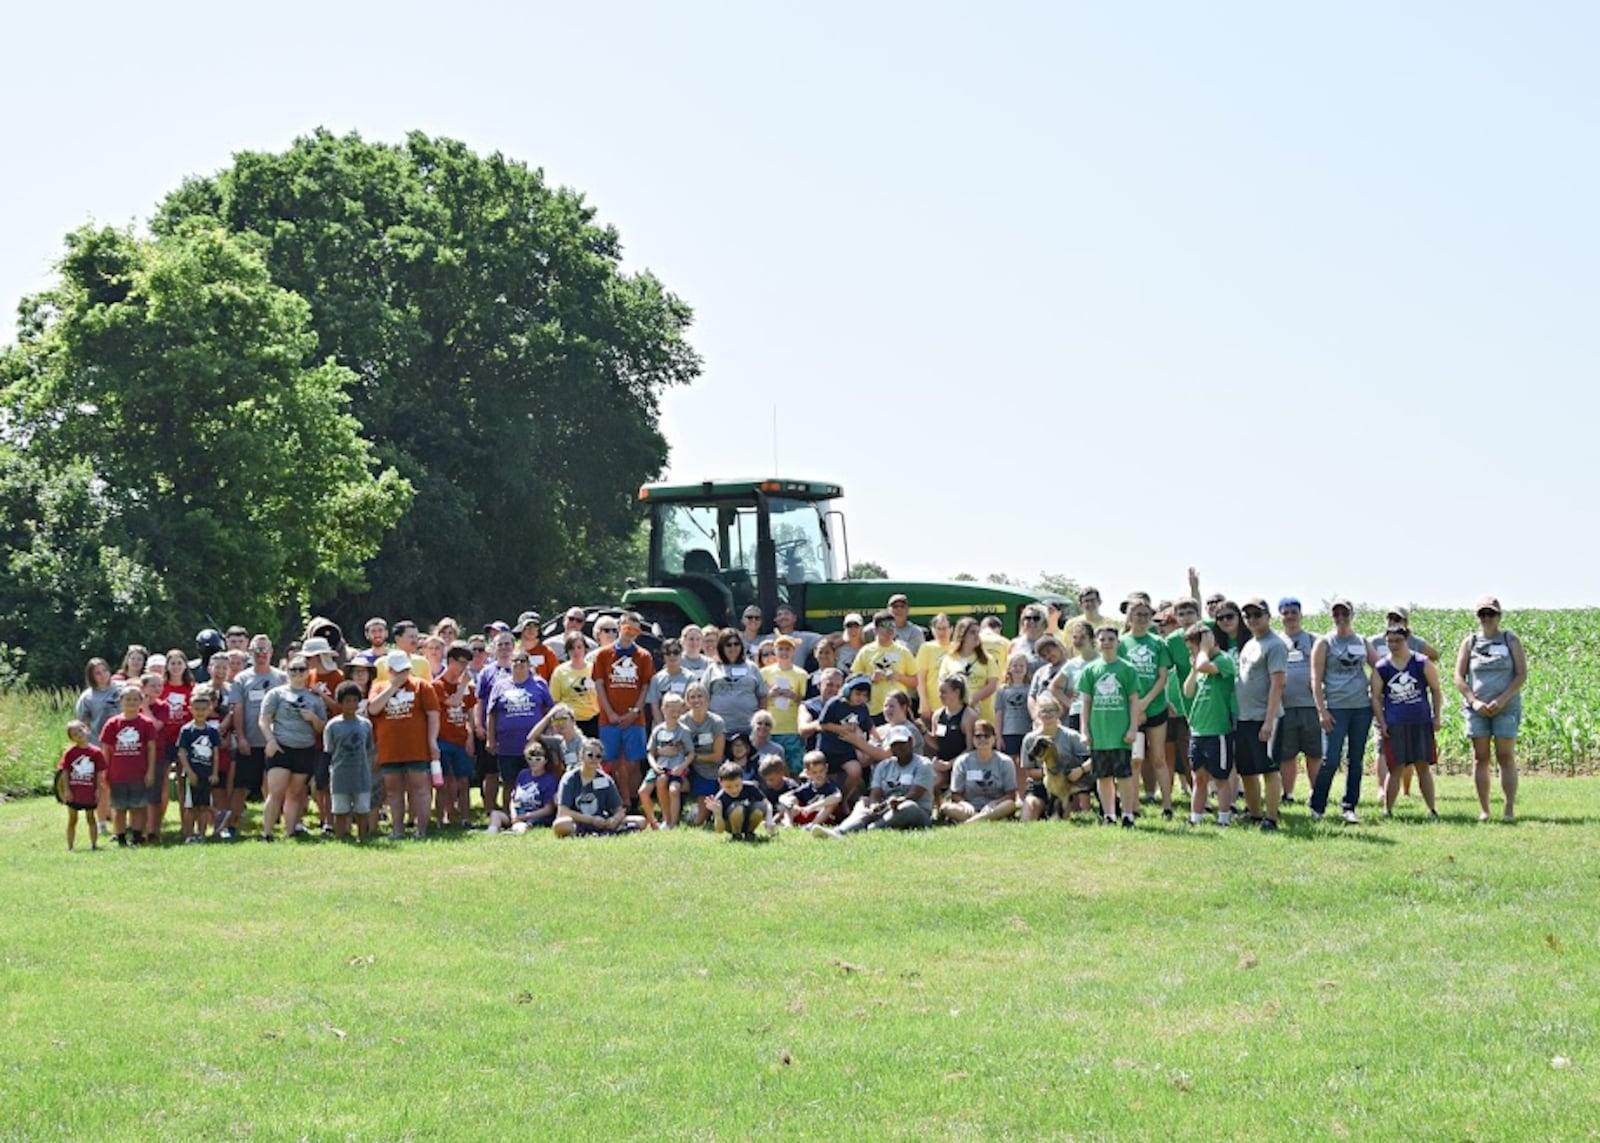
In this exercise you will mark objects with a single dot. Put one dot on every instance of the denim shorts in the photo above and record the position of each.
(1503, 725)
(456, 761)
(623, 742)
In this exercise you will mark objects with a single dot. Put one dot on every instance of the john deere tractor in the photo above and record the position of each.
(719, 546)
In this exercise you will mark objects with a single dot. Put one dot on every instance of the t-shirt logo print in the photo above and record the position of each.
(201, 749)
(127, 740)
(175, 704)
(518, 701)
(401, 704)
(1107, 691)
(1142, 658)
(82, 770)
(624, 673)
(1403, 689)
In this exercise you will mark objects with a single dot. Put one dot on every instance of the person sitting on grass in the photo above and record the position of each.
(817, 800)
(84, 767)
(588, 803)
(708, 733)
(983, 782)
(900, 796)
(352, 754)
(669, 752)
(199, 744)
(1209, 691)
(1110, 689)
(739, 808)
(772, 775)
(1406, 704)
(129, 741)
(533, 797)
(763, 743)
(1056, 763)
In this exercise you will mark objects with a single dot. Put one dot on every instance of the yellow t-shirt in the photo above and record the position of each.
(421, 669)
(575, 687)
(977, 676)
(928, 656)
(786, 690)
(896, 657)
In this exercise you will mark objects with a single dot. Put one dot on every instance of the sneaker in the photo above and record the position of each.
(122, 840)
(300, 830)
(327, 829)
(1287, 799)
(267, 837)
(1350, 818)
(227, 834)
(193, 839)
(1225, 819)
(1269, 825)
(1166, 815)
(1195, 819)
(1127, 821)
(1109, 820)
(1316, 815)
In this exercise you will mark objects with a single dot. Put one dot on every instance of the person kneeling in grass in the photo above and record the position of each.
(817, 800)
(901, 793)
(739, 808)
(588, 803)
(1209, 691)
(983, 782)
(1111, 715)
(351, 748)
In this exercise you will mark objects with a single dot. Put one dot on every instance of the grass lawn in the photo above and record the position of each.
(1398, 979)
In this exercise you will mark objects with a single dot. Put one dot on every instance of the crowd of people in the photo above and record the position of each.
(1184, 706)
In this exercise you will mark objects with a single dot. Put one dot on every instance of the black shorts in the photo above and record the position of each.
(1152, 720)
(1073, 722)
(590, 727)
(200, 794)
(319, 771)
(1252, 756)
(300, 760)
(1299, 731)
(836, 765)
(249, 769)
(91, 807)
(1112, 763)
(508, 766)
(1210, 753)
(486, 766)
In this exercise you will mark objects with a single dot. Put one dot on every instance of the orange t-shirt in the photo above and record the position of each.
(622, 677)
(453, 721)
(401, 727)
(325, 684)
(542, 661)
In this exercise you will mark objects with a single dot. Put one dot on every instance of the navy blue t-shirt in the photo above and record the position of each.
(202, 743)
(842, 713)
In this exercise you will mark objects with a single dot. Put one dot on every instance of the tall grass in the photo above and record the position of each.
(32, 736)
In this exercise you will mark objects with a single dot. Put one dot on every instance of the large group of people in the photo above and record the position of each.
(1185, 707)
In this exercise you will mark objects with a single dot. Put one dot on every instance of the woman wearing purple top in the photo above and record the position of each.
(1406, 705)
(517, 704)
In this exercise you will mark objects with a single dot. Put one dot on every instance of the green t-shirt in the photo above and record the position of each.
(1211, 709)
(1178, 648)
(1147, 654)
(1108, 691)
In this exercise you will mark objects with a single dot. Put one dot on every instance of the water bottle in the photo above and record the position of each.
(438, 772)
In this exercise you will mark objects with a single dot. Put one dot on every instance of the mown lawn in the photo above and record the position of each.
(1394, 980)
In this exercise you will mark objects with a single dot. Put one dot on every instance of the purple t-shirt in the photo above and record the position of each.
(515, 710)
(492, 673)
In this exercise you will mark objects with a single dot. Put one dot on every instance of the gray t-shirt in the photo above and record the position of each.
(1259, 659)
(896, 780)
(351, 748)
(663, 684)
(1491, 667)
(247, 692)
(96, 707)
(670, 746)
(736, 692)
(703, 734)
(283, 706)
(697, 666)
(1072, 668)
(846, 656)
(911, 635)
(1060, 753)
(981, 782)
(1297, 684)
(1344, 676)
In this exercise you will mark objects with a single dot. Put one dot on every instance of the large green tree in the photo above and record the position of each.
(174, 453)
(504, 362)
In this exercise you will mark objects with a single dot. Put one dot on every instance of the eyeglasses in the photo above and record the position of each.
(298, 670)
(1033, 619)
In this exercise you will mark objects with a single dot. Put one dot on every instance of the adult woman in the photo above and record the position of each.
(826, 653)
(572, 683)
(448, 630)
(292, 718)
(968, 659)
(133, 662)
(1405, 705)
(1491, 668)
(694, 651)
(517, 705)
(735, 687)
(983, 782)
(929, 656)
(99, 702)
(897, 712)
(1339, 686)
(433, 648)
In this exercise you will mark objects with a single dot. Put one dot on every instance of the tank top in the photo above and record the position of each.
(1405, 691)
(952, 739)
(1344, 680)
(1490, 666)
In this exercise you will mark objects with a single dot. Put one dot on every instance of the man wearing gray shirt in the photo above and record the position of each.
(1263, 669)
(905, 631)
(901, 795)
(1299, 730)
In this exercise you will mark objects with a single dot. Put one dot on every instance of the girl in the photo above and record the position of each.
(572, 683)
(968, 659)
(1011, 701)
(433, 651)
(133, 661)
(171, 710)
(826, 653)
(953, 724)
(533, 798)
(694, 651)
(99, 703)
(897, 712)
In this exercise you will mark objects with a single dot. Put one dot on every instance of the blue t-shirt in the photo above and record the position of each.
(597, 798)
(841, 713)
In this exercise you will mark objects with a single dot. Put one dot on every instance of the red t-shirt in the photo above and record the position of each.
(326, 683)
(171, 710)
(622, 676)
(454, 703)
(129, 745)
(401, 727)
(84, 765)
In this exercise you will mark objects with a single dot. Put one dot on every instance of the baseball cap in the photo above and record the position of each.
(1288, 601)
(496, 627)
(786, 641)
(525, 620)
(855, 681)
(852, 619)
(1341, 601)
(398, 661)
(1402, 612)
(1255, 601)
(897, 733)
(897, 598)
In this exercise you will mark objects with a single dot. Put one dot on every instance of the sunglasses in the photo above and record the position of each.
(299, 670)
(1221, 615)
(520, 659)
(1033, 619)
(593, 754)
(1253, 613)
(1487, 614)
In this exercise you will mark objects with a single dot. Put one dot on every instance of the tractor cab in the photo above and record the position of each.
(718, 547)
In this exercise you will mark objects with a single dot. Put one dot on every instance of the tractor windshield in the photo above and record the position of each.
(800, 537)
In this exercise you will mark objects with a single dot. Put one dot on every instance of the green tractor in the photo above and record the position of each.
(719, 546)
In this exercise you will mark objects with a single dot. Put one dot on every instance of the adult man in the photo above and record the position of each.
(888, 663)
(238, 638)
(1263, 667)
(901, 794)
(786, 622)
(541, 659)
(622, 674)
(246, 693)
(572, 621)
(377, 633)
(1299, 729)
(408, 638)
(905, 631)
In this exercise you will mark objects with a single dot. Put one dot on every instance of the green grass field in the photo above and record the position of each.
(1399, 979)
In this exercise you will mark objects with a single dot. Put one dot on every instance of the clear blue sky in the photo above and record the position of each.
(1304, 295)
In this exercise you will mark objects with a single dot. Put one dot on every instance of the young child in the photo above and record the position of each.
(1011, 704)
(669, 751)
(739, 808)
(1111, 714)
(775, 783)
(85, 768)
(129, 741)
(1209, 691)
(533, 796)
(199, 744)
(352, 750)
(159, 793)
(817, 800)
(739, 751)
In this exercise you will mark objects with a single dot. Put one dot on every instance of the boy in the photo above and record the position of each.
(85, 767)
(775, 783)
(670, 750)
(453, 801)
(818, 798)
(351, 749)
(199, 744)
(129, 742)
(845, 723)
(1208, 688)
(1111, 714)
(739, 808)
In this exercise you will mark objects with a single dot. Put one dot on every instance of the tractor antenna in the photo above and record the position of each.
(775, 438)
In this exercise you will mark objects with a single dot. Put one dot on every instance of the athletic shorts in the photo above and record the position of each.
(89, 806)
(249, 768)
(1037, 789)
(1112, 763)
(1151, 720)
(702, 787)
(351, 803)
(1209, 753)
(625, 742)
(1012, 744)
(197, 795)
(1252, 756)
(1299, 731)
(794, 750)
(129, 795)
(1412, 743)
(300, 760)
(508, 766)
(654, 776)
(456, 761)
(319, 770)
(486, 767)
